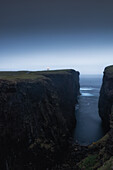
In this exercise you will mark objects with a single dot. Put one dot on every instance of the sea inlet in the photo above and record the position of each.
(89, 126)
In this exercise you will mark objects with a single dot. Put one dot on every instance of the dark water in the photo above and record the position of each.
(88, 128)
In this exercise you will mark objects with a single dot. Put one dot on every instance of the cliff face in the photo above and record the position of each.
(106, 96)
(98, 155)
(36, 117)
(67, 87)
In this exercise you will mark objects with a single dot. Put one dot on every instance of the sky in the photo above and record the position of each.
(59, 34)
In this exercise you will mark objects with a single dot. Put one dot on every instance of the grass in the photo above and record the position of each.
(107, 165)
(89, 162)
(12, 75)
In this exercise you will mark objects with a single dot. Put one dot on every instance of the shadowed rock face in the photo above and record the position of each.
(67, 87)
(106, 96)
(36, 119)
(98, 155)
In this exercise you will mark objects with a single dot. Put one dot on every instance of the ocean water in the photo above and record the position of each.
(89, 126)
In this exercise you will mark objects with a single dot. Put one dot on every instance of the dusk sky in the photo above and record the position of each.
(36, 34)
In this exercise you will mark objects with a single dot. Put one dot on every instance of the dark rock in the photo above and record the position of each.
(68, 89)
(36, 119)
(106, 97)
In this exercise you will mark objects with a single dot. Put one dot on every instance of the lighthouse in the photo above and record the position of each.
(48, 68)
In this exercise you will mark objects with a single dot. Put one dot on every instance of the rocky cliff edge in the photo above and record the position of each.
(106, 96)
(36, 117)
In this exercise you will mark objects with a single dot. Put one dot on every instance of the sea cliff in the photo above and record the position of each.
(36, 117)
(106, 96)
(98, 155)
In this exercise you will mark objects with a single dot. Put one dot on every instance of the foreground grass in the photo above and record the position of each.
(96, 157)
(107, 165)
(89, 162)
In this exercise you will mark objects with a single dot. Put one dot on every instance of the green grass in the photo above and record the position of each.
(89, 162)
(107, 165)
(12, 75)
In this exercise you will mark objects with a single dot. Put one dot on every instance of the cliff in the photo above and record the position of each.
(98, 155)
(106, 96)
(36, 117)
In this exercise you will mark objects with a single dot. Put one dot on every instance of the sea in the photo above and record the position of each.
(89, 125)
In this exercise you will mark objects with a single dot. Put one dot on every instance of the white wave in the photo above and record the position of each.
(87, 94)
(77, 107)
(86, 88)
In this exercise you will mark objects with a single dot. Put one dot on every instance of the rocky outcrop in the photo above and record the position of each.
(67, 87)
(106, 96)
(36, 117)
(97, 156)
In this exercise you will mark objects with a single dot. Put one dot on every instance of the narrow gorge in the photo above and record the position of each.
(98, 155)
(89, 124)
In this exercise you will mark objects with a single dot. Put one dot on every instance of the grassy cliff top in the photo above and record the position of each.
(12, 75)
(109, 69)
